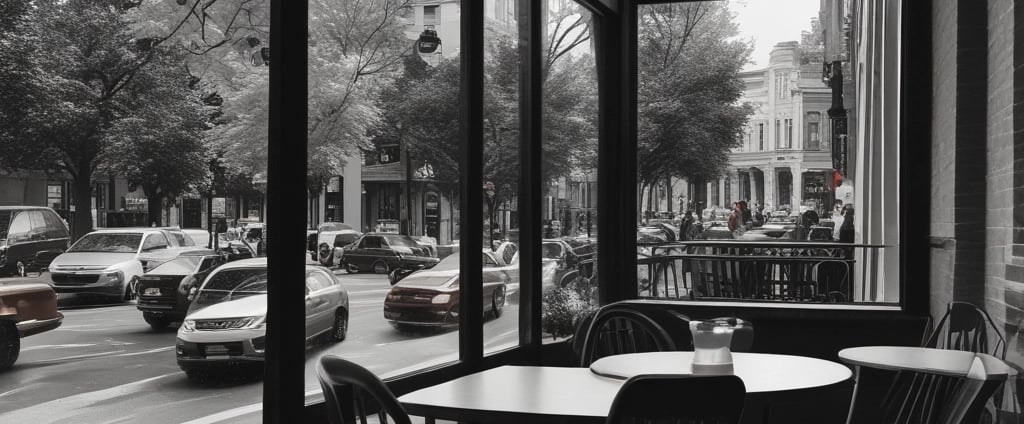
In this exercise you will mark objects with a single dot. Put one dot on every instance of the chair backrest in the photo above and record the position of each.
(347, 388)
(968, 400)
(679, 398)
(619, 328)
(967, 327)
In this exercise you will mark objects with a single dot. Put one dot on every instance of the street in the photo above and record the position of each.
(104, 364)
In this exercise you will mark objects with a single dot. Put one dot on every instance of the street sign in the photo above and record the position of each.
(219, 207)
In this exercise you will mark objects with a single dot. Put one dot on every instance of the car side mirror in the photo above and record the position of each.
(192, 294)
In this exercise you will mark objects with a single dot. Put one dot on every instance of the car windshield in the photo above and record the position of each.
(231, 284)
(178, 266)
(552, 251)
(400, 241)
(334, 226)
(108, 242)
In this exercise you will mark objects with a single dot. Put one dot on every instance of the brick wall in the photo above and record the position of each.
(943, 152)
(977, 87)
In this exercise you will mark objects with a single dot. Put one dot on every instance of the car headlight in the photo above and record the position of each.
(441, 299)
(114, 277)
(400, 256)
(188, 325)
(251, 322)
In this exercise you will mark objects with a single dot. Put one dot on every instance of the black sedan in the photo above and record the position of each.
(382, 252)
(163, 292)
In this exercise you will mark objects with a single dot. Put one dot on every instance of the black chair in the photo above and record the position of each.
(347, 388)
(967, 327)
(622, 327)
(679, 399)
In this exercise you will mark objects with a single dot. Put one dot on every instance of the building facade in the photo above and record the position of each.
(784, 160)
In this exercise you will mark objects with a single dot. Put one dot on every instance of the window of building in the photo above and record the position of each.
(760, 136)
(778, 133)
(787, 143)
(813, 140)
(781, 85)
(429, 15)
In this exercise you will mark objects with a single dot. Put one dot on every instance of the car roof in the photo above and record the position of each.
(245, 263)
(20, 207)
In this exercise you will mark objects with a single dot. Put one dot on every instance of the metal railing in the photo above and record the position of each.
(781, 271)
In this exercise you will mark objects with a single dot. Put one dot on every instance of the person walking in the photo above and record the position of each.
(736, 226)
(846, 232)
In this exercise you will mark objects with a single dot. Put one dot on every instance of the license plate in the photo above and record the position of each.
(218, 350)
(151, 291)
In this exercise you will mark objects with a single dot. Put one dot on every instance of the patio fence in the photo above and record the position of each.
(824, 272)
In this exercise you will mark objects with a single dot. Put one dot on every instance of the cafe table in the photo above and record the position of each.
(944, 362)
(515, 394)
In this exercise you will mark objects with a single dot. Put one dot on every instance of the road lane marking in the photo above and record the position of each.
(227, 415)
(60, 346)
(67, 408)
(113, 354)
(11, 392)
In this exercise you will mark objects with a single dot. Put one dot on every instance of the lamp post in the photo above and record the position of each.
(259, 180)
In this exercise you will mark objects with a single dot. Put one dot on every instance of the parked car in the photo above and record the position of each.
(164, 293)
(382, 252)
(229, 243)
(226, 322)
(106, 261)
(27, 307)
(430, 297)
(30, 237)
(331, 239)
(566, 253)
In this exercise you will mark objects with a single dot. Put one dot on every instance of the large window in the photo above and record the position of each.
(775, 75)
(165, 102)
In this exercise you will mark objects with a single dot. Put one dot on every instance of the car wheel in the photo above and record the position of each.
(128, 293)
(340, 329)
(498, 302)
(568, 278)
(381, 267)
(350, 268)
(156, 322)
(10, 344)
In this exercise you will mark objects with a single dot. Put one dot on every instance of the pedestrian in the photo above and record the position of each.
(846, 230)
(736, 226)
(684, 226)
(837, 209)
(748, 220)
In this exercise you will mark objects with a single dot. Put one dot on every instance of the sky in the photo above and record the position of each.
(772, 21)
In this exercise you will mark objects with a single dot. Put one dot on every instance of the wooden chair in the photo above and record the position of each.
(347, 388)
(619, 328)
(679, 399)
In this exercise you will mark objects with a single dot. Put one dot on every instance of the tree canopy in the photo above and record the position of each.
(689, 109)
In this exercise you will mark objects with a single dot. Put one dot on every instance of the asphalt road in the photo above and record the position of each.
(105, 365)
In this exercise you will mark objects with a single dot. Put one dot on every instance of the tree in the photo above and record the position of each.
(159, 147)
(356, 50)
(690, 115)
(82, 61)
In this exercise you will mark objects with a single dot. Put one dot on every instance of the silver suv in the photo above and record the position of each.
(109, 261)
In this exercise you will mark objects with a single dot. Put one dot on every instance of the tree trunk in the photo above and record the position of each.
(154, 207)
(82, 222)
(640, 202)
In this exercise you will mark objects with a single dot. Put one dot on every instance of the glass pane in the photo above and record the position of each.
(383, 184)
(126, 94)
(742, 155)
(501, 282)
(569, 170)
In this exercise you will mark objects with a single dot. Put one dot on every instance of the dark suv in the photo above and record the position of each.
(165, 291)
(382, 252)
(30, 237)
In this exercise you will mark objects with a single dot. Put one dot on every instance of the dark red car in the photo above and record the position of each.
(27, 307)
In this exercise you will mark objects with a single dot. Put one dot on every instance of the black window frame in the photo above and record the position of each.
(615, 39)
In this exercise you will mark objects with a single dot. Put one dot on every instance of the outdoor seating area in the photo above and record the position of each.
(640, 363)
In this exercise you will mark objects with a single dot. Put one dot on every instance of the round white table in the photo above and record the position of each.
(760, 372)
